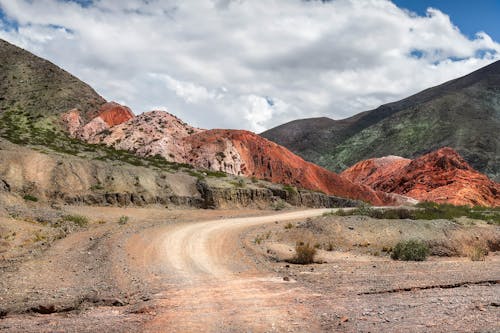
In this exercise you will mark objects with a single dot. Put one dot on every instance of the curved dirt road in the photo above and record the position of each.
(210, 285)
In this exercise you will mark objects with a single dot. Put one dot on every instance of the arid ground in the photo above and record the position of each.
(162, 270)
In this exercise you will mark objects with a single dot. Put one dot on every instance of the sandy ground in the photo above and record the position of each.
(196, 270)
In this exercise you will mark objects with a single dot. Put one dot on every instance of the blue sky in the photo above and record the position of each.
(255, 64)
(470, 16)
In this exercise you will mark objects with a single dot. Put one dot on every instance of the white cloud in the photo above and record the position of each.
(220, 63)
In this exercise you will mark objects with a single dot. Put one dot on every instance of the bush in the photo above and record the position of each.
(28, 197)
(478, 253)
(410, 250)
(76, 219)
(304, 254)
(123, 220)
(279, 205)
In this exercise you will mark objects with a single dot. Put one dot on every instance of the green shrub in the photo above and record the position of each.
(304, 254)
(290, 189)
(289, 225)
(79, 220)
(410, 250)
(123, 220)
(29, 197)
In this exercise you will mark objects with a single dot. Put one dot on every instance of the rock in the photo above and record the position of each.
(442, 176)
(72, 121)
(44, 309)
(231, 151)
(114, 114)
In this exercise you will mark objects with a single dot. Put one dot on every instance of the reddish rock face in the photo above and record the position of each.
(235, 152)
(245, 153)
(441, 176)
(114, 114)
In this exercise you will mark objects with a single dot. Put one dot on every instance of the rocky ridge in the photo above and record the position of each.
(441, 176)
(236, 152)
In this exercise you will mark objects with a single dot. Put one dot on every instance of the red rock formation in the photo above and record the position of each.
(109, 114)
(441, 176)
(245, 153)
(235, 152)
(114, 114)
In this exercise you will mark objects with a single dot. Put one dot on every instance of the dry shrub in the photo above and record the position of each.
(477, 253)
(304, 254)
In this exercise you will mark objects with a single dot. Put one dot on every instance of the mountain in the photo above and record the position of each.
(441, 176)
(45, 109)
(236, 152)
(463, 114)
(39, 88)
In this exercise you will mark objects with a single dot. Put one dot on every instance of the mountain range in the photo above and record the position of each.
(44, 108)
(463, 114)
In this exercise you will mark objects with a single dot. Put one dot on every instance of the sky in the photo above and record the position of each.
(255, 64)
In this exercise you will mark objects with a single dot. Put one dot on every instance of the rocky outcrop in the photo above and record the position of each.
(442, 176)
(108, 115)
(231, 151)
(149, 134)
(222, 197)
(114, 114)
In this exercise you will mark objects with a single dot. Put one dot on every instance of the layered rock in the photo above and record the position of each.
(231, 151)
(442, 176)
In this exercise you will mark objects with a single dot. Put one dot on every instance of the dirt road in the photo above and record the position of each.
(210, 285)
(202, 271)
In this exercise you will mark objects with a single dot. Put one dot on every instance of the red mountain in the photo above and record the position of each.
(232, 151)
(441, 176)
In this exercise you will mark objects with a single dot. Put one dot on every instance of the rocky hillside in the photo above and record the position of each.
(241, 153)
(463, 114)
(442, 176)
(39, 89)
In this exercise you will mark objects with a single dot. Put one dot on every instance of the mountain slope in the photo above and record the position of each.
(463, 114)
(441, 176)
(40, 88)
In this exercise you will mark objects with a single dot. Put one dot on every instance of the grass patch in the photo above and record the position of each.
(29, 197)
(79, 220)
(292, 190)
(426, 211)
(410, 250)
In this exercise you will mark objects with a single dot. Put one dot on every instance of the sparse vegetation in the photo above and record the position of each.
(477, 253)
(410, 250)
(427, 211)
(240, 183)
(79, 220)
(304, 254)
(290, 189)
(29, 197)
(289, 225)
(123, 220)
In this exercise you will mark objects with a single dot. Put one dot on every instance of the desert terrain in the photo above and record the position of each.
(182, 270)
